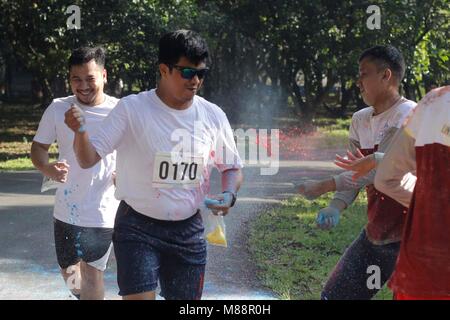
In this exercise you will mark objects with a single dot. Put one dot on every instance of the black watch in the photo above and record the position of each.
(234, 197)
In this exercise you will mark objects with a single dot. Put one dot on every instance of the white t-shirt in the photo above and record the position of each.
(87, 197)
(145, 132)
(369, 129)
(430, 122)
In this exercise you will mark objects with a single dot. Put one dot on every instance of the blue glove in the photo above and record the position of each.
(220, 205)
(328, 217)
(226, 200)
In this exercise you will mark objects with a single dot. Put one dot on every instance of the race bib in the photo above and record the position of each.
(175, 170)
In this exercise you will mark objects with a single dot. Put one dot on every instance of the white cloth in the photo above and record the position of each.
(429, 123)
(86, 199)
(370, 132)
(141, 128)
(369, 129)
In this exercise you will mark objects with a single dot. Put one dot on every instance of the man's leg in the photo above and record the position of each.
(349, 279)
(137, 259)
(66, 253)
(92, 286)
(182, 268)
(95, 247)
(181, 281)
(72, 278)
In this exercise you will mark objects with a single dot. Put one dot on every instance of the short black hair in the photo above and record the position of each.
(83, 55)
(182, 43)
(386, 57)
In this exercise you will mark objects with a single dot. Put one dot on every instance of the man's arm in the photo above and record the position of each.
(232, 180)
(346, 197)
(56, 171)
(231, 183)
(394, 176)
(85, 152)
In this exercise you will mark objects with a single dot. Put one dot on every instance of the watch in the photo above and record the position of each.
(234, 197)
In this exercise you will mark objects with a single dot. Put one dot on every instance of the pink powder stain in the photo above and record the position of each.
(213, 154)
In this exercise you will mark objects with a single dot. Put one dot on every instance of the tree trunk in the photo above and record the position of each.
(47, 94)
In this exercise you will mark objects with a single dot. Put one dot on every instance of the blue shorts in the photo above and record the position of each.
(348, 281)
(74, 243)
(148, 250)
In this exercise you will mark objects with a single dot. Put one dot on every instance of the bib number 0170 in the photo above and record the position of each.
(187, 170)
(177, 171)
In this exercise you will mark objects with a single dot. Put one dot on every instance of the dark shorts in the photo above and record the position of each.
(150, 250)
(75, 243)
(350, 277)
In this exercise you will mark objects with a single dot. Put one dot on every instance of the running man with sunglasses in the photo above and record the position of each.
(167, 141)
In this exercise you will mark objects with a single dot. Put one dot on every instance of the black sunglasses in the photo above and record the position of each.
(189, 73)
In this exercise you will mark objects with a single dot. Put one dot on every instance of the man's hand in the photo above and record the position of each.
(327, 218)
(356, 162)
(56, 171)
(74, 119)
(314, 189)
(220, 203)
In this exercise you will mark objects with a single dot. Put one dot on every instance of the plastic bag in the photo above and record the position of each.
(215, 230)
(49, 184)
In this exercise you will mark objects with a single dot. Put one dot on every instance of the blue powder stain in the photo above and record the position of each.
(65, 192)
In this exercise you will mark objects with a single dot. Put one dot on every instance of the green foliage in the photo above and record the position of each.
(271, 58)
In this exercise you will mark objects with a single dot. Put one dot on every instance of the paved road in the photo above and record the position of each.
(28, 268)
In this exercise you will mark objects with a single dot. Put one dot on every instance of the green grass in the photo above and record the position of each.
(19, 164)
(333, 133)
(293, 256)
(337, 138)
(16, 164)
(17, 128)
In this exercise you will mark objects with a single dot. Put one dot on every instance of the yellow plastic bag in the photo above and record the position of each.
(215, 231)
(217, 237)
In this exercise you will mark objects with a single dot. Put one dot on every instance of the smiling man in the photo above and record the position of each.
(162, 182)
(85, 206)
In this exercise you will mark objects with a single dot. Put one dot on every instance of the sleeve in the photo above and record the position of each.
(227, 156)
(349, 195)
(378, 157)
(111, 131)
(412, 123)
(344, 181)
(46, 132)
(394, 174)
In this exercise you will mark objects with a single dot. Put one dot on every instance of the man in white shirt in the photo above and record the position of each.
(381, 70)
(167, 141)
(421, 147)
(85, 206)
